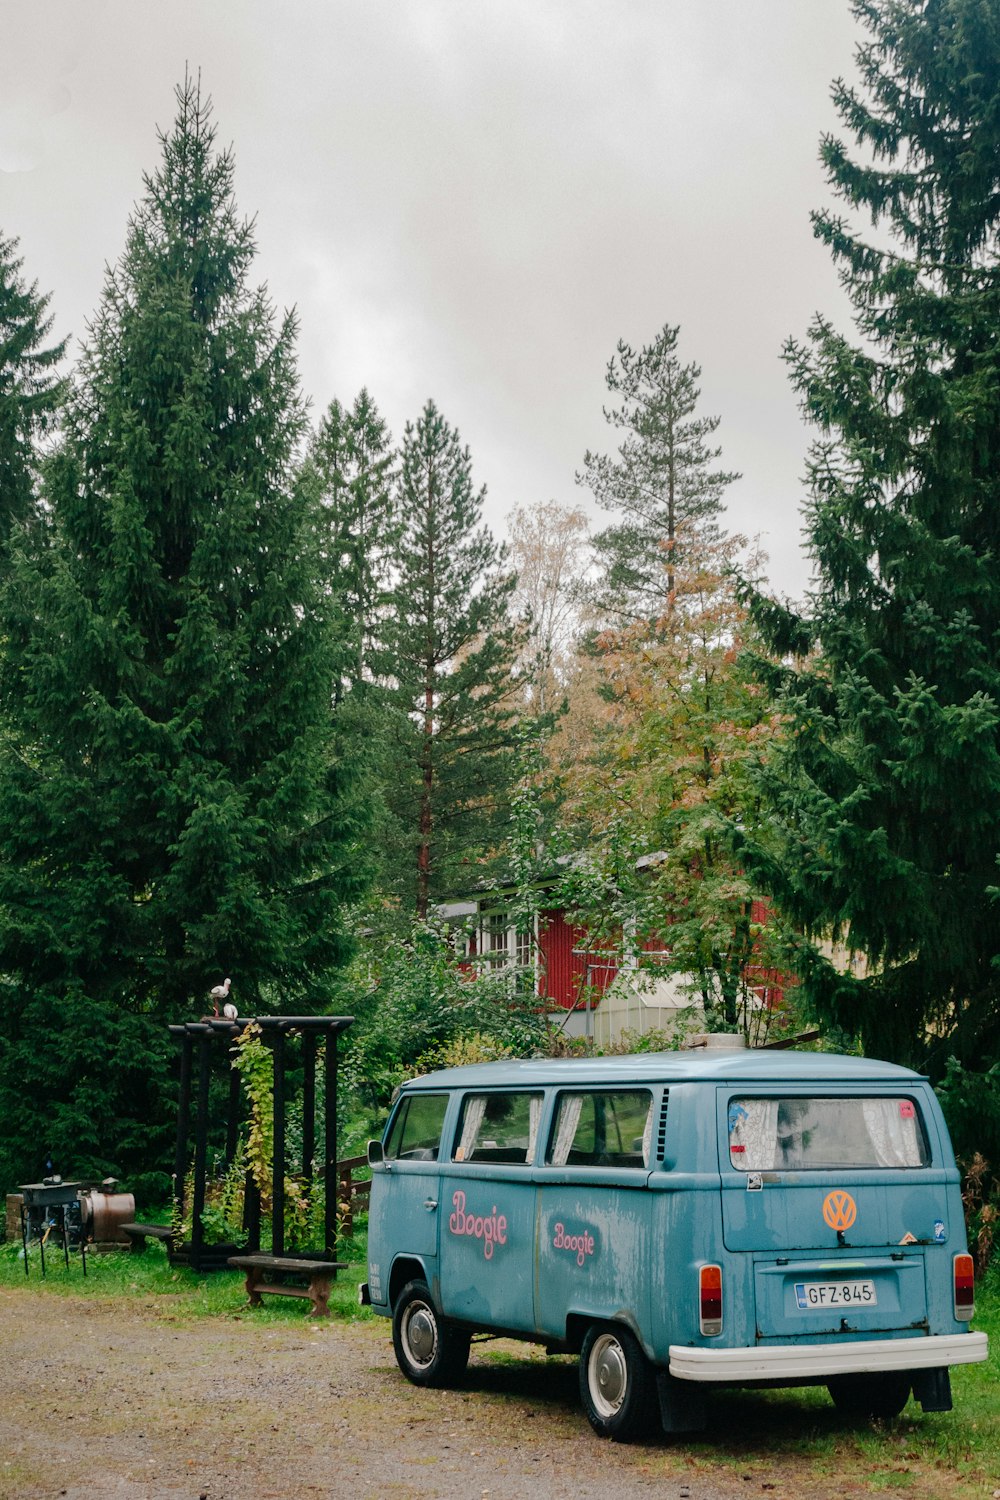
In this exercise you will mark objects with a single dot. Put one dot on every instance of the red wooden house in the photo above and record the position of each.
(573, 974)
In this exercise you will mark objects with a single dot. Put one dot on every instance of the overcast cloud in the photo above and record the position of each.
(471, 200)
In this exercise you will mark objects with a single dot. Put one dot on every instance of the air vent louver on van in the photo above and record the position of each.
(661, 1133)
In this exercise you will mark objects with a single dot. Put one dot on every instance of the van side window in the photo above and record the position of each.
(416, 1129)
(499, 1128)
(608, 1129)
(808, 1134)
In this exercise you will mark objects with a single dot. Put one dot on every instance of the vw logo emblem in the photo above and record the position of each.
(839, 1209)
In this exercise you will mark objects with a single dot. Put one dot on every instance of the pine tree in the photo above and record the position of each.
(452, 645)
(886, 798)
(171, 806)
(349, 473)
(661, 482)
(29, 389)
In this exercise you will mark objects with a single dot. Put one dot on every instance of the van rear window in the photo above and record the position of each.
(499, 1128)
(813, 1133)
(609, 1129)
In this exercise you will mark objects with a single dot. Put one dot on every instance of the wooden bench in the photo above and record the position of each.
(138, 1234)
(318, 1273)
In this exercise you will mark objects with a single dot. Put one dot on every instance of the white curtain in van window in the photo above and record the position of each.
(757, 1131)
(534, 1119)
(475, 1108)
(647, 1135)
(893, 1135)
(570, 1106)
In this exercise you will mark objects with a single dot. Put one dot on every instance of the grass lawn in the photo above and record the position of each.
(791, 1441)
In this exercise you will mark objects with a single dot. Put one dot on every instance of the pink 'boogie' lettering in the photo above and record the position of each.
(580, 1244)
(491, 1228)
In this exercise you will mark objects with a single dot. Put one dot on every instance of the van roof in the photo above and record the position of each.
(711, 1066)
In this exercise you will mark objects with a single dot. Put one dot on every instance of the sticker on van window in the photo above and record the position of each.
(906, 1109)
(581, 1245)
(491, 1228)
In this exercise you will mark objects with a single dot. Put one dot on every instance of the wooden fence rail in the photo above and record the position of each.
(352, 1194)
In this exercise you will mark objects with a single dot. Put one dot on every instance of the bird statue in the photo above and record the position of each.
(220, 992)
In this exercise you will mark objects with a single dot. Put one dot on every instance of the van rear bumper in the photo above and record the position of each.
(818, 1361)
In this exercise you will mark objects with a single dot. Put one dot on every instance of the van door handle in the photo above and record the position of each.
(430, 1204)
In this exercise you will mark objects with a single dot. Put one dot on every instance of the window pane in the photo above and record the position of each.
(809, 1134)
(497, 937)
(416, 1130)
(500, 1128)
(608, 1129)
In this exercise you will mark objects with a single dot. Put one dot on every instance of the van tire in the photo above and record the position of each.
(879, 1396)
(429, 1351)
(617, 1387)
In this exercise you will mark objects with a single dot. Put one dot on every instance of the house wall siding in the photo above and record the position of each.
(565, 964)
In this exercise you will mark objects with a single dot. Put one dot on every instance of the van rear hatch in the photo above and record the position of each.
(836, 1197)
(870, 1294)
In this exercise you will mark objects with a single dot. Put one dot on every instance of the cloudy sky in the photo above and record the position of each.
(471, 200)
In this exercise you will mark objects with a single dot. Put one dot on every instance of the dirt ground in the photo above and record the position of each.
(102, 1400)
(99, 1402)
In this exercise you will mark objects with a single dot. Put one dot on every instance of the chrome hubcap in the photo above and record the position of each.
(421, 1334)
(608, 1375)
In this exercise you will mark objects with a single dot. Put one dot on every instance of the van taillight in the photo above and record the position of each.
(710, 1300)
(965, 1296)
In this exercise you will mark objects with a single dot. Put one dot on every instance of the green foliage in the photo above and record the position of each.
(222, 1212)
(254, 1061)
(461, 1051)
(450, 645)
(413, 997)
(970, 1099)
(303, 1222)
(173, 803)
(29, 391)
(884, 799)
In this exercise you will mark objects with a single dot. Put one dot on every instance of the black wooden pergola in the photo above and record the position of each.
(199, 1043)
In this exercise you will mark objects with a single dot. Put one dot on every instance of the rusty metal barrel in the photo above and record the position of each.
(104, 1212)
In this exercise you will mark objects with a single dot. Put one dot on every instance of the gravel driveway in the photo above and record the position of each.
(99, 1401)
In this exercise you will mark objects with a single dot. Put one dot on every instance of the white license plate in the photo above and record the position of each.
(813, 1294)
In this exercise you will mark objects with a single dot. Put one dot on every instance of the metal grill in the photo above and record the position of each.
(70, 1215)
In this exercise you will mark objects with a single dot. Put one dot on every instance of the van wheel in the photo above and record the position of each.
(879, 1396)
(616, 1383)
(429, 1351)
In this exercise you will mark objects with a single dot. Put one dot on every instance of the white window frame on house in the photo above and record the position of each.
(498, 941)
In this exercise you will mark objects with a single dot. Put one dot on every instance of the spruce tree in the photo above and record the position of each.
(452, 644)
(661, 483)
(171, 806)
(348, 473)
(29, 389)
(886, 798)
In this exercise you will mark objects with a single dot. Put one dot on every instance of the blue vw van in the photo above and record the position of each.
(679, 1219)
